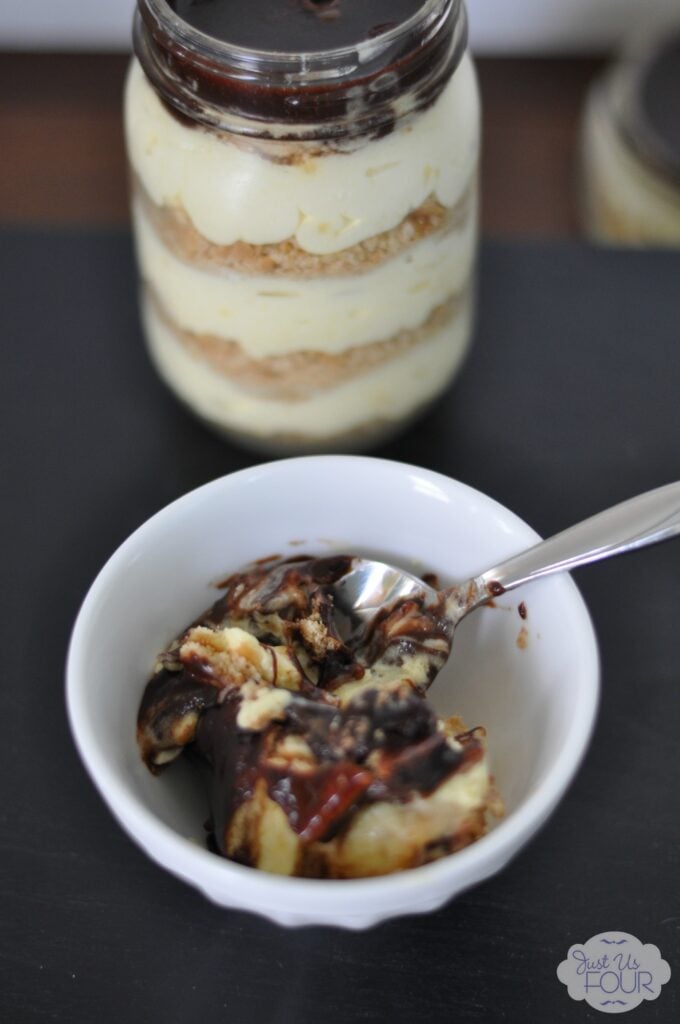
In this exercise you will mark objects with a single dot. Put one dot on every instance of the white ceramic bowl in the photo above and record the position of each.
(535, 693)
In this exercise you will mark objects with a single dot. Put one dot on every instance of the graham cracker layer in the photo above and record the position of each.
(287, 258)
(296, 375)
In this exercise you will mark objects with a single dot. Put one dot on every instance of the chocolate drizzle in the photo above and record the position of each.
(293, 72)
(373, 750)
(316, 805)
(232, 757)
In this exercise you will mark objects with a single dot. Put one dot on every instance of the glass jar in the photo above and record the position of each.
(304, 212)
(631, 145)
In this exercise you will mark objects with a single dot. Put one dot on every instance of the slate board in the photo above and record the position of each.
(568, 403)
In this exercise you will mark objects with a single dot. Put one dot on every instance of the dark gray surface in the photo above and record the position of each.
(569, 402)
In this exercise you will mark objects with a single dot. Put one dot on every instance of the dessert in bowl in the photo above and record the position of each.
(526, 669)
(321, 755)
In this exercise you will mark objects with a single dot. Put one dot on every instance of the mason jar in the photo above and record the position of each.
(631, 144)
(304, 186)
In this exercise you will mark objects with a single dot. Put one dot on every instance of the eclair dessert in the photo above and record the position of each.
(321, 756)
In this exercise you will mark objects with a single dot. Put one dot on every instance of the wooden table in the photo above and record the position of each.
(63, 153)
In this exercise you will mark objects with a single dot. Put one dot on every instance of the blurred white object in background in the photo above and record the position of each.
(631, 144)
(497, 26)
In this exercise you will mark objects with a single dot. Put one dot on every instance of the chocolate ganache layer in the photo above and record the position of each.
(299, 68)
(321, 756)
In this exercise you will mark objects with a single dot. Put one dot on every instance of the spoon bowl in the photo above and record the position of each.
(372, 586)
(368, 588)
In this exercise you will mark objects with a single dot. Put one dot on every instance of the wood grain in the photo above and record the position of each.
(531, 116)
(64, 162)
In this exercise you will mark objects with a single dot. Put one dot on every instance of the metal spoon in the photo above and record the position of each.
(647, 519)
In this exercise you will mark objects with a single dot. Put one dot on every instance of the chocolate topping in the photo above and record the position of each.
(320, 756)
(288, 69)
(171, 698)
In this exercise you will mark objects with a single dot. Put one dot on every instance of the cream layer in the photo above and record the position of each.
(287, 259)
(295, 376)
(386, 837)
(234, 188)
(272, 317)
(389, 392)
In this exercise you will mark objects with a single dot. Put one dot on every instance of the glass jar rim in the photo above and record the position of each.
(343, 93)
(298, 69)
(626, 83)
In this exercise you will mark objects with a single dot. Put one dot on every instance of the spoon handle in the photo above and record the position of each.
(647, 519)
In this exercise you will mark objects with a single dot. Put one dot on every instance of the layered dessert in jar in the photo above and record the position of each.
(304, 195)
(631, 145)
(321, 755)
